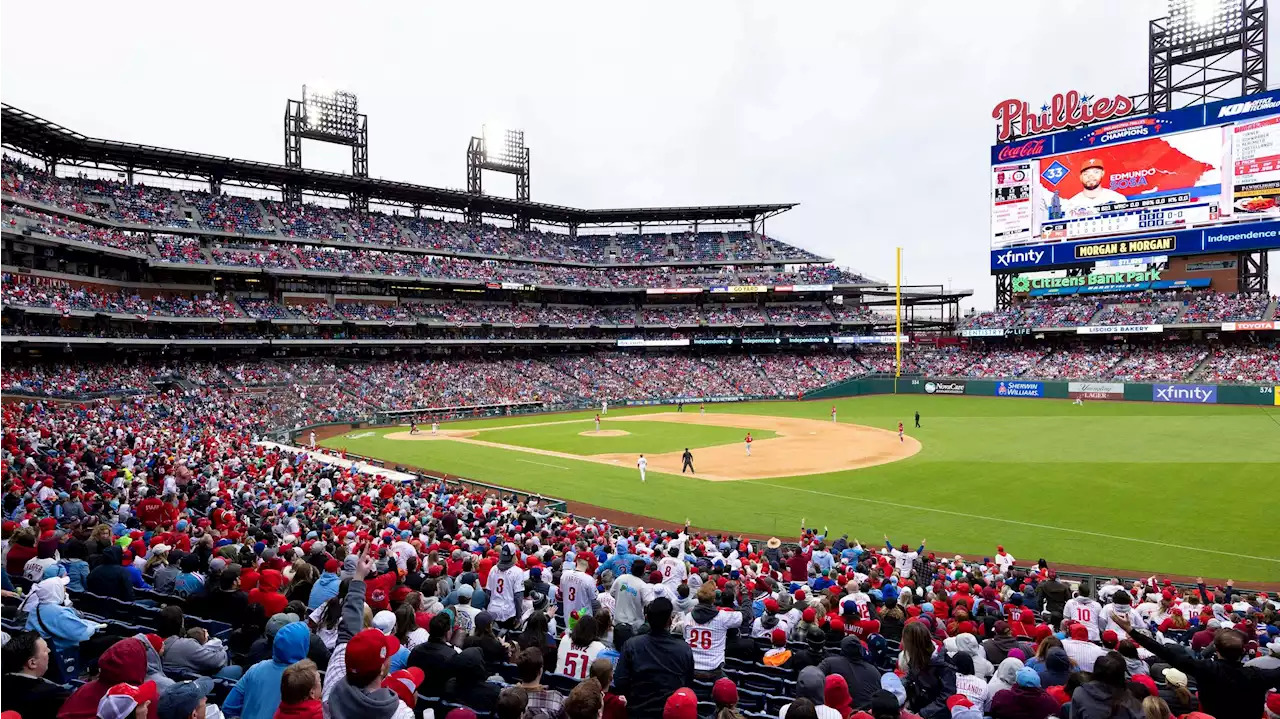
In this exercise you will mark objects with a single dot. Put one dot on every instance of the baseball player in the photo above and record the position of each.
(597, 423)
(413, 426)
(687, 458)
(604, 407)
(747, 441)
(435, 427)
(900, 439)
(917, 420)
(642, 463)
(702, 408)
(1092, 194)
(833, 413)
(1079, 402)
(312, 438)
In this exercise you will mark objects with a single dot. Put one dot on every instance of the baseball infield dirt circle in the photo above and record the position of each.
(604, 433)
(802, 446)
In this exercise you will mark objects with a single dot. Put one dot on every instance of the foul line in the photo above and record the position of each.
(544, 464)
(1018, 522)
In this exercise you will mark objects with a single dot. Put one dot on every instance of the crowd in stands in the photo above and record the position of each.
(1132, 308)
(17, 217)
(671, 315)
(1078, 363)
(1159, 364)
(798, 314)
(30, 291)
(1260, 363)
(734, 314)
(958, 362)
(229, 213)
(204, 575)
(262, 309)
(175, 248)
(270, 256)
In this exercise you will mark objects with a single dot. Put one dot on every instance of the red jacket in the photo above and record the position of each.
(306, 709)
(125, 661)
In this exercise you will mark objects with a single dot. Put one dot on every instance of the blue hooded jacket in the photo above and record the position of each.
(325, 588)
(257, 694)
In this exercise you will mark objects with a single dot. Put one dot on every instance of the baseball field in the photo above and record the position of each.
(1176, 489)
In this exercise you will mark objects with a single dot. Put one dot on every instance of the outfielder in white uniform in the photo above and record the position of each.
(642, 463)
(604, 407)
(435, 427)
(312, 439)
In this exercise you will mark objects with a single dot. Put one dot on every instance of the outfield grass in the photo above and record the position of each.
(1186, 489)
(645, 437)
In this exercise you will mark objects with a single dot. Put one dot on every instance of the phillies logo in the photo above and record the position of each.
(1063, 111)
(1018, 152)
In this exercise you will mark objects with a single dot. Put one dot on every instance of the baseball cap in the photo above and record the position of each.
(778, 637)
(1027, 677)
(681, 705)
(466, 591)
(958, 700)
(724, 691)
(367, 650)
(182, 698)
(122, 699)
(483, 619)
(404, 683)
(771, 605)
(384, 621)
(1091, 163)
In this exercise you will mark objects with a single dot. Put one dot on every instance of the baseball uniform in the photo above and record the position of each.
(579, 592)
(643, 464)
(707, 640)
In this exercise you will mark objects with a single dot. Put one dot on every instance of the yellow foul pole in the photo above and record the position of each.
(897, 324)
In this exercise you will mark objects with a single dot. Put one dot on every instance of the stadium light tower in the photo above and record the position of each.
(499, 150)
(1207, 50)
(326, 116)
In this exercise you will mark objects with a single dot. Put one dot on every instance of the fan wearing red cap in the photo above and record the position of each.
(778, 654)
(682, 704)
(122, 700)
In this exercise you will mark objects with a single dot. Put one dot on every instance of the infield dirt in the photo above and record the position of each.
(802, 446)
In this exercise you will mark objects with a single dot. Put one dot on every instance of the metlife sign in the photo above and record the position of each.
(1185, 393)
(1020, 389)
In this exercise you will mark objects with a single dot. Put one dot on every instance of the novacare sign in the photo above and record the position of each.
(1185, 393)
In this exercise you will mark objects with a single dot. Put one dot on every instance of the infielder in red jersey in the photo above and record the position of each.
(900, 439)
(833, 413)
(747, 441)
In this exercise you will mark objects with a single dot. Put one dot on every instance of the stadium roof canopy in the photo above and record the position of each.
(39, 137)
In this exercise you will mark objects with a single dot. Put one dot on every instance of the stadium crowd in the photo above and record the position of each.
(199, 574)
(1132, 308)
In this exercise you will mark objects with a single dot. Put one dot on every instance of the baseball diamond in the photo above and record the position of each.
(1046, 460)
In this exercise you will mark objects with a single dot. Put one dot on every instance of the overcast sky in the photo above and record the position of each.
(875, 116)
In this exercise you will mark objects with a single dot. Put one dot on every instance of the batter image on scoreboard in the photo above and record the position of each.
(1092, 194)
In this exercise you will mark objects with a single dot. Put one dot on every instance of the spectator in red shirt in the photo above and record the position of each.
(267, 593)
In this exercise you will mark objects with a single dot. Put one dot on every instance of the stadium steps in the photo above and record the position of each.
(1200, 366)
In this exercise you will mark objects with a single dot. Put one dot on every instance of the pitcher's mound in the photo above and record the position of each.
(605, 433)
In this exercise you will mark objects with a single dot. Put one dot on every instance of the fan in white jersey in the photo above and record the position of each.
(578, 649)
(1085, 610)
(673, 569)
(706, 629)
(505, 586)
(1121, 605)
(578, 590)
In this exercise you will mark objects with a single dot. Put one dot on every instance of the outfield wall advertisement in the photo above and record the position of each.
(1185, 393)
(1188, 181)
(1020, 389)
(1095, 390)
(940, 387)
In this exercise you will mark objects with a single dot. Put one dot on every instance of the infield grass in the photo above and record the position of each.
(644, 437)
(1182, 489)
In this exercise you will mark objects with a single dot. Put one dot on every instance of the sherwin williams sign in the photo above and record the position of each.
(1020, 389)
(1185, 393)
